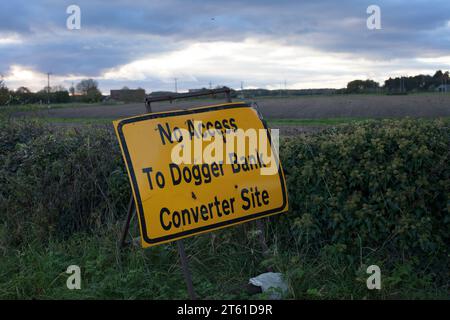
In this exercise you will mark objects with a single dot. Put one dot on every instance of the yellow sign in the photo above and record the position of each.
(218, 188)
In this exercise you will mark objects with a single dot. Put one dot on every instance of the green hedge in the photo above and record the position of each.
(372, 185)
(57, 182)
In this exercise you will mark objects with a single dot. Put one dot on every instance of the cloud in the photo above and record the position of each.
(23, 76)
(146, 43)
(264, 64)
(10, 39)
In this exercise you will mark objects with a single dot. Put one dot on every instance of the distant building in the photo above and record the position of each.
(128, 95)
(443, 88)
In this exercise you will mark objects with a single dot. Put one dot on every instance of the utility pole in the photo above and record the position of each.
(444, 86)
(210, 85)
(176, 84)
(48, 87)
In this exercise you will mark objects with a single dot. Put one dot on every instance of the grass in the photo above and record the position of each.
(36, 271)
(221, 264)
(87, 121)
(8, 110)
(271, 122)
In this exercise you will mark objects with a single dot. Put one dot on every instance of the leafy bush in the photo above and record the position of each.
(53, 183)
(372, 185)
(4, 94)
(369, 193)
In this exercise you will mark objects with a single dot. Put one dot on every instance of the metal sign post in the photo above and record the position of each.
(238, 193)
(202, 93)
(132, 207)
(186, 271)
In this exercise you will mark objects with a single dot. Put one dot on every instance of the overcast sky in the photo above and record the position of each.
(308, 44)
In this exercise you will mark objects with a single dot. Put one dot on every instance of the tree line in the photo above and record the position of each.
(85, 91)
(418, 83)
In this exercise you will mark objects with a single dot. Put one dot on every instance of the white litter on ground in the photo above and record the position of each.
(271, 282)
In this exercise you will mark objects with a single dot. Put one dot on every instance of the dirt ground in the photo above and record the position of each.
(308, 107)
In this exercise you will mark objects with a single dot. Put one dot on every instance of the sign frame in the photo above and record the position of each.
(203, 229)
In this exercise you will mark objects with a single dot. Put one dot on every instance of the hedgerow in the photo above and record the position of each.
(57, 182)
(372, 185)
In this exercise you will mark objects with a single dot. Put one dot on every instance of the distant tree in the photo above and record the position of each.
(4, 93)
(93, 95)
(125, 88)
(61, 96)
(58, 88)
(440, 78)
(438, 75)
(72, 91)
(58, 94)
(89, 89)
(419, 82)
(45, 89)
(362, 86)
(23, 90)
(85, 85)
(22, 95)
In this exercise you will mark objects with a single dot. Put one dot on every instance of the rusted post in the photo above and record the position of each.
(173, 97)
(186, 271)
(228, 96)
(127, 222)
(148, 107)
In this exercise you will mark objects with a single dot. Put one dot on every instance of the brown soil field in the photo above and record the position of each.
(369, 106)
(308, 107)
